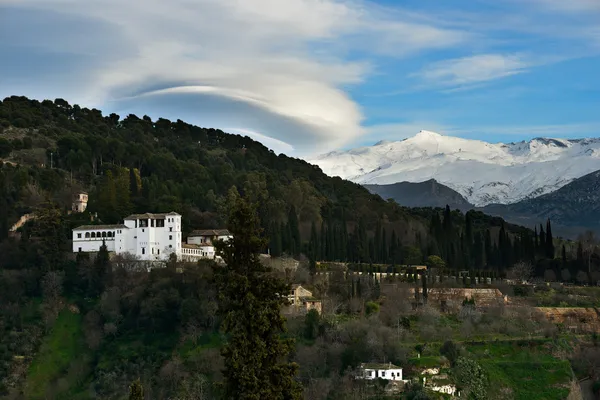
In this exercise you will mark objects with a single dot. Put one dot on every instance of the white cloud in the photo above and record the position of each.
(473, 70)
(287, 57)
(277, 146)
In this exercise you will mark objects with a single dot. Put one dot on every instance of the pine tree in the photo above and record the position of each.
(549, 241)
(564, 256)
(249, 303)
(136, 391)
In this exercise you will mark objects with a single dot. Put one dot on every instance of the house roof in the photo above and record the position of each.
(151, 215)
(96, 227)
(210, 232)
(379, 366)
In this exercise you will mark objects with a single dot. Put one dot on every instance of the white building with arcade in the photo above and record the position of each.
(148, 237)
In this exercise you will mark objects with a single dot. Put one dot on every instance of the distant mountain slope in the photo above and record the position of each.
(575, 205)
(484, 173)
(424, 194)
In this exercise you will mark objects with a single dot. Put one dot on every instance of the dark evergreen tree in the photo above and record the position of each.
(489, 254)
(549, 241)
(101, 272)
(133, 183)
(564, 256)
(542, 249)
(249, 302)
(294, 229)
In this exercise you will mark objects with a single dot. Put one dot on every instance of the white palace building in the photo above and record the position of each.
(149, 237)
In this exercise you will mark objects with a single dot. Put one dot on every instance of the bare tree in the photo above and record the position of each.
(589, 243)
(52, 289)
(521, 271)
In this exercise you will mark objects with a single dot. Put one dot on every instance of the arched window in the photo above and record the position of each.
(98, 234)
(87, 235)
(103, 234)
(108, 234)
(113, 234)
(93, 234)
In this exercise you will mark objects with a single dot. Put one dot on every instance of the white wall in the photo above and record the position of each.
(383, 374)
(89, 244)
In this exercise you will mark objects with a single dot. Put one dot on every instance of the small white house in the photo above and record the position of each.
(388, 372)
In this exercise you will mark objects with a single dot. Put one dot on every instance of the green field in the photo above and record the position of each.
(522, 372)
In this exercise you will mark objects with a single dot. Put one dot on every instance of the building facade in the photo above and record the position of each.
(388, 372)
(80, 201)
(200, 243)
(149, 237)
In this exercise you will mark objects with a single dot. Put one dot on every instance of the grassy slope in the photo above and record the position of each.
(60, 348)
(529, 373)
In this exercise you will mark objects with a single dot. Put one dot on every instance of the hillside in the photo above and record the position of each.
(85, 326)
(483, 173)
(575, 206)
(177, 167)
(423, 194)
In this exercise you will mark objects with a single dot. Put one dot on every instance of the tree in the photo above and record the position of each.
(100, 271)
(549, 241)
(521, 271)
(136, 391)
(250, 298)
(294, 229)
(435, 262)
(311, 324)
(471, 378)
(451, 351)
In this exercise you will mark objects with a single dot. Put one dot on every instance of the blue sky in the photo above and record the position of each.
(309, 76)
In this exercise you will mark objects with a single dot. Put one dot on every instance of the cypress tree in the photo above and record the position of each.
(275, 244)
(249, 302)
(294, 231)
(313, 241)
(489, 255)
(564, 256)
(393, 247)
(100, 271)
(549, 241)
(133, 184)
(543, 248)
(322, 243)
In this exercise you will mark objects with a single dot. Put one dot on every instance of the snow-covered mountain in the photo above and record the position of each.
(484, 173)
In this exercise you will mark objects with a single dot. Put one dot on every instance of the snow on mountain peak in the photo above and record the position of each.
(482, 172)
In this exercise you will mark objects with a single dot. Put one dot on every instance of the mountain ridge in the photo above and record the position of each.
(484, 173)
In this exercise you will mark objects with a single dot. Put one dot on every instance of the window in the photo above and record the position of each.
(171, 229)
(143, 230)
(170, 246)
(152, 250)
(79, 236)
(80, 249)
(157, 251)
(143, 250)
(170, 237)
(87, 234)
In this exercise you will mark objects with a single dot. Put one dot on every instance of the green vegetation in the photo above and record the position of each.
(61, 348)
(250, 302)
(524, 371)
(165, 330)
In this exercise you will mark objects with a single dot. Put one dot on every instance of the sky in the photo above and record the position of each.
(309, 76)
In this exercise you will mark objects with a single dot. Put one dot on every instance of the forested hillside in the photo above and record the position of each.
(53, 149)
(85, 327)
